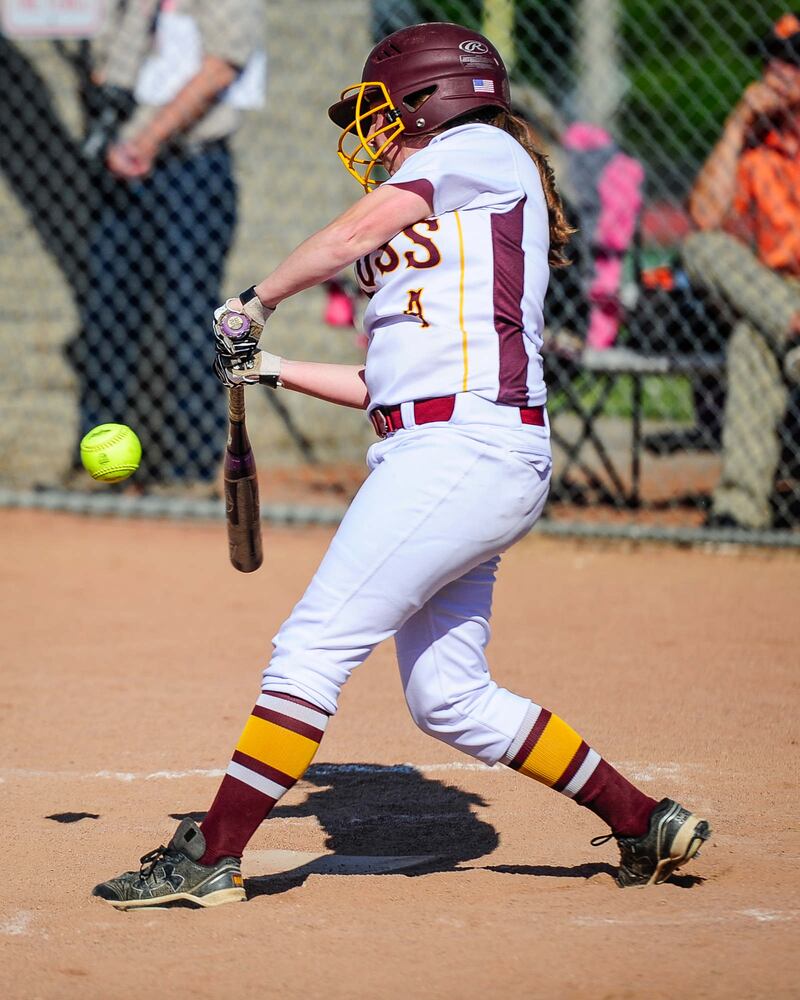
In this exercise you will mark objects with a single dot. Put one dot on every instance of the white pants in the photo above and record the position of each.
(415, 558)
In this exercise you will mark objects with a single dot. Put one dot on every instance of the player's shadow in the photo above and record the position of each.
(416, 825)
(372, 811)
(72, 817)
(585, 871)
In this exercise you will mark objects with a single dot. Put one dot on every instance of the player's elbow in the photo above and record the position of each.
(349, 241)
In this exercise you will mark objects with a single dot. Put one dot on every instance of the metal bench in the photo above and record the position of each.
(607, 367)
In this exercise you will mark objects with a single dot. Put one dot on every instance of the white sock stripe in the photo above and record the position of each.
(582, 775)
(528, 723)
(257, 781)
(319, 720)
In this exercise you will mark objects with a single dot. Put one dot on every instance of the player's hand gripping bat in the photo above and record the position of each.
(242, 511)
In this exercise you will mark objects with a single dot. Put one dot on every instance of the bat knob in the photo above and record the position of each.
(235, 325)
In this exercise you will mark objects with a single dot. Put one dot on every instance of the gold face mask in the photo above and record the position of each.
(361, 145)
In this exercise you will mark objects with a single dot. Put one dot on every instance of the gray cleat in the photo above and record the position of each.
(172, 875)
(674, 837)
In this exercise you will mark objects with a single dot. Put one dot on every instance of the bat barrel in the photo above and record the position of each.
(242, 506)
(244, 530)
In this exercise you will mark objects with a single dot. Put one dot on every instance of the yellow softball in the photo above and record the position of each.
(110, 452)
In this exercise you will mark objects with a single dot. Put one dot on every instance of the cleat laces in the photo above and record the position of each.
(149, 861)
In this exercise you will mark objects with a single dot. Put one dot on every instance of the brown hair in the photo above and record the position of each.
(560, 229)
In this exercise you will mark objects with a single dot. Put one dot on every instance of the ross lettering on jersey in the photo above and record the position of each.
(434, 255)
(387, 259)
(365, 275)
(414, 307)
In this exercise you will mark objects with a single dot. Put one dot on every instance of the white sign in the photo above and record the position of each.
(53, 18)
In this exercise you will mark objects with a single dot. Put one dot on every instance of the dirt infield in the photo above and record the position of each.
(131, 655)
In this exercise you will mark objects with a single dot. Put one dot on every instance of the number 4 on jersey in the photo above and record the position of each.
(414, 307)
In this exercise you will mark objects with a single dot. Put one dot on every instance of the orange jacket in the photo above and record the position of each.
(767, 203)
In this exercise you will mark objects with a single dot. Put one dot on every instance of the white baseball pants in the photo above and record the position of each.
(415, 558)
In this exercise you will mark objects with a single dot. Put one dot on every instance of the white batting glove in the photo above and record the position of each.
(260, 367)
(239, 323)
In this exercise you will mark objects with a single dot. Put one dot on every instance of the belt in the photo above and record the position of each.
(387, 419)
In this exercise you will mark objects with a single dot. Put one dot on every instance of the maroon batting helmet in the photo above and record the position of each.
(461, 68)
(420, 78)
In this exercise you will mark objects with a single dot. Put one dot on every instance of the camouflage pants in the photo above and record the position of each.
(763, 303)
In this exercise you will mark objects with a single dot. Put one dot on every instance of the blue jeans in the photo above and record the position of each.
(144, 352)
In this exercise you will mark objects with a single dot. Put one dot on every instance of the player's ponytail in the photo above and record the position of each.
(560, 229)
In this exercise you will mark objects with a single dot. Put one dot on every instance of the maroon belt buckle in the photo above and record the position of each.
(379, 422)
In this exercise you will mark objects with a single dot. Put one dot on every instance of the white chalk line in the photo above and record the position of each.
(10, 774)
(670, 771)
(318, 770)
(758, 916)
(636, 771)
(16, 924)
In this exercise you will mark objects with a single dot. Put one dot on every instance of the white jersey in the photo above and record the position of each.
(457, 299)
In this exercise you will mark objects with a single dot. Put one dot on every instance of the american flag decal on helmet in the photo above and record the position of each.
(483, 86)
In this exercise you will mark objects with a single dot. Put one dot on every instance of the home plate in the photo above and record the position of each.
(260, 863)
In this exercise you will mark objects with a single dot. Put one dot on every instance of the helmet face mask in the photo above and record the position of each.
(419, 79)
(363, 141)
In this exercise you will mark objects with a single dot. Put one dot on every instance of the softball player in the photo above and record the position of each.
(454, 248)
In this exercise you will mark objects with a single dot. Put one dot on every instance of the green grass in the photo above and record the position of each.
(667, 398)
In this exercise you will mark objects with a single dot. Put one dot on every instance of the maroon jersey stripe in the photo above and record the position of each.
(531, 739)
(509, 281)
(422, 187)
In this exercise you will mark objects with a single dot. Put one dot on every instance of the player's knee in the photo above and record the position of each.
(437, 722)
(445, 719)
(463, 725)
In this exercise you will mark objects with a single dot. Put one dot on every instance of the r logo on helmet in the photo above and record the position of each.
(474, 47)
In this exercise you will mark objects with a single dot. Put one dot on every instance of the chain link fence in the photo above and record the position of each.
(669, 342)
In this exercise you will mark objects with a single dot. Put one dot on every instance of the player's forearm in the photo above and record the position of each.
(364, 227)
(317, 259)
(342, 384)
(713, 192)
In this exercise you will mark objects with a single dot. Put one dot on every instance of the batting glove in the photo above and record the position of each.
(260, 366)
(239, 323)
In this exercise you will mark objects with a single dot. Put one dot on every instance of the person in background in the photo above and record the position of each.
(746, 253)
(168, 83)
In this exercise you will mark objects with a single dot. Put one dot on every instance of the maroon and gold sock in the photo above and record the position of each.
(547, 749)
(278, 743)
